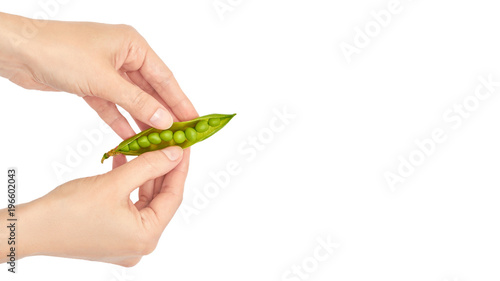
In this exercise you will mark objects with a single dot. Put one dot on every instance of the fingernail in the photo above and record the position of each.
(161, 119)
(173, 153)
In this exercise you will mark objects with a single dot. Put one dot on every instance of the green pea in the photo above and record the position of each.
(143, 141)
(154, 138)
(191, 134)
(166, 135)
(179, 137)
(125, 148)
(214, 122)
(134, 145)
(201, 126)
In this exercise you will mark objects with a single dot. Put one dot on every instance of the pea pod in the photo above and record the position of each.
(183, 134)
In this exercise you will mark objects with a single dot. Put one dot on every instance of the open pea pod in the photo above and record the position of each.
(183, 134)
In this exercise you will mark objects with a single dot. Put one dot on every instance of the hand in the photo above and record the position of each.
(94, 218)
(105, 64)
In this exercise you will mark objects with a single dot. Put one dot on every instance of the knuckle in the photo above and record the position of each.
(177, 197)
(130, 33)
(143, 198)
(136, 53)
(162, 77)
(168, 75)
(139, 101)
(101, 106)
(127, 28)
(166, 78)
(151, 161)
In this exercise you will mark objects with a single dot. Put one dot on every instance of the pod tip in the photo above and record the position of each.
(104, 157)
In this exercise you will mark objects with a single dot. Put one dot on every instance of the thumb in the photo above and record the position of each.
(147, 166)
(138, 103)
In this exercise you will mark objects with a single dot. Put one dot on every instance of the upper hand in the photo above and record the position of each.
(107, 65)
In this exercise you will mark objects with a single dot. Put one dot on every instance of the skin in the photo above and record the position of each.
(104, 64)
(93, 218)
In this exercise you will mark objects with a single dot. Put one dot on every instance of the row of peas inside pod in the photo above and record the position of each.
(183, 134)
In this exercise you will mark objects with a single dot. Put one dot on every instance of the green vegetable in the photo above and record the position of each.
(191, 134)
(154, 138)
(133, 146)
(166, 135)
(143, 141)
(186, 134)
(201, 126)
(214, 122)
(179, 137)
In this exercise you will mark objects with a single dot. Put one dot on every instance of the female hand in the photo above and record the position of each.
(94, 219)
(105, 64)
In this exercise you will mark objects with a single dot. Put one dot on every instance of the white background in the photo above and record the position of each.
(323, 174)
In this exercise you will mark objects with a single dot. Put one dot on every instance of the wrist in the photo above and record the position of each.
(32, 227)
(26, 235)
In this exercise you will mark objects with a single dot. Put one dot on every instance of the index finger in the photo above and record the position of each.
(161, 78)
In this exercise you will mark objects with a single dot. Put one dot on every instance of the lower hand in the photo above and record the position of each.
(94, 219)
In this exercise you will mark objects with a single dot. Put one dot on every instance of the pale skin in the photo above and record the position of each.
(93, 218)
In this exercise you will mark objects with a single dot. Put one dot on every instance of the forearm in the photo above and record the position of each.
(13, 42)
